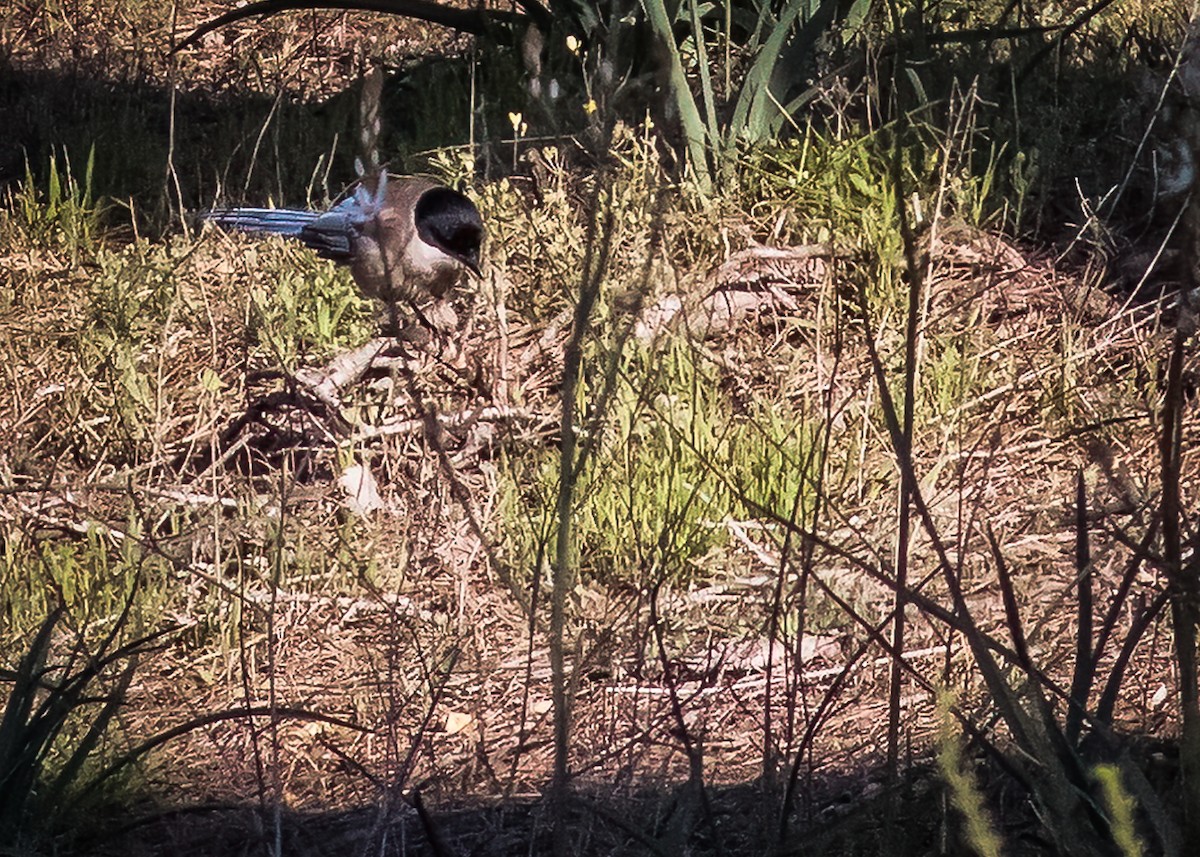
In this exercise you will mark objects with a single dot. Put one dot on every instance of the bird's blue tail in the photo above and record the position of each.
(281, 221)
(329, 233)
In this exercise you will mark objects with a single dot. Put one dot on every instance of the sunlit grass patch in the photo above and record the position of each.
(91, 575)
(63, 214)
(673, 465)
(302, 306)
(135, 335)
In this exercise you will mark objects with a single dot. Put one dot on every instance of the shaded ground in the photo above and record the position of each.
(253, 112)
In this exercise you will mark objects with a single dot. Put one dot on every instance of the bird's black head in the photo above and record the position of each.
(449, 221)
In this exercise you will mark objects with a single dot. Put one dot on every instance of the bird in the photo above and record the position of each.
(408, 240)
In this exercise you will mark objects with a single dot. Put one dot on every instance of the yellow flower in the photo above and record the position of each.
(573, 44)
(515, 119)
(590, 107)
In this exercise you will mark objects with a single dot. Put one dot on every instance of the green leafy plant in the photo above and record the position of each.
(56, 715)
(758, 111)
(65, 213)
(307, 305)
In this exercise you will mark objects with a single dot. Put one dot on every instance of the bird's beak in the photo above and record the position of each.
(472, 262)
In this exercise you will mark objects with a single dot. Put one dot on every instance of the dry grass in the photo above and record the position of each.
(306, 55)
(400, 625)
(395, 647)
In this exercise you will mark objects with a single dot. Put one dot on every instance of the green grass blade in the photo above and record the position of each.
(680, 93)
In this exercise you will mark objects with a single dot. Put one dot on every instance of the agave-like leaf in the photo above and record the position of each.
(69, 773)
(24, 691)
(18, 765)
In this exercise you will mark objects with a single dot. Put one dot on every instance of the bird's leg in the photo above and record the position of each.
(431, 327)
(393, 322)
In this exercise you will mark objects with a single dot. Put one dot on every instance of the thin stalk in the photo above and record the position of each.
(1184, 579)
(1085, 669)
(912, 335)
(1185, 586)
(563, 578)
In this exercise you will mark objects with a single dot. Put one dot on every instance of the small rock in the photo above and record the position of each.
(362, 492)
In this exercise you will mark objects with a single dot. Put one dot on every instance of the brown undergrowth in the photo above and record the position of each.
(357, 597)
(405, 629)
